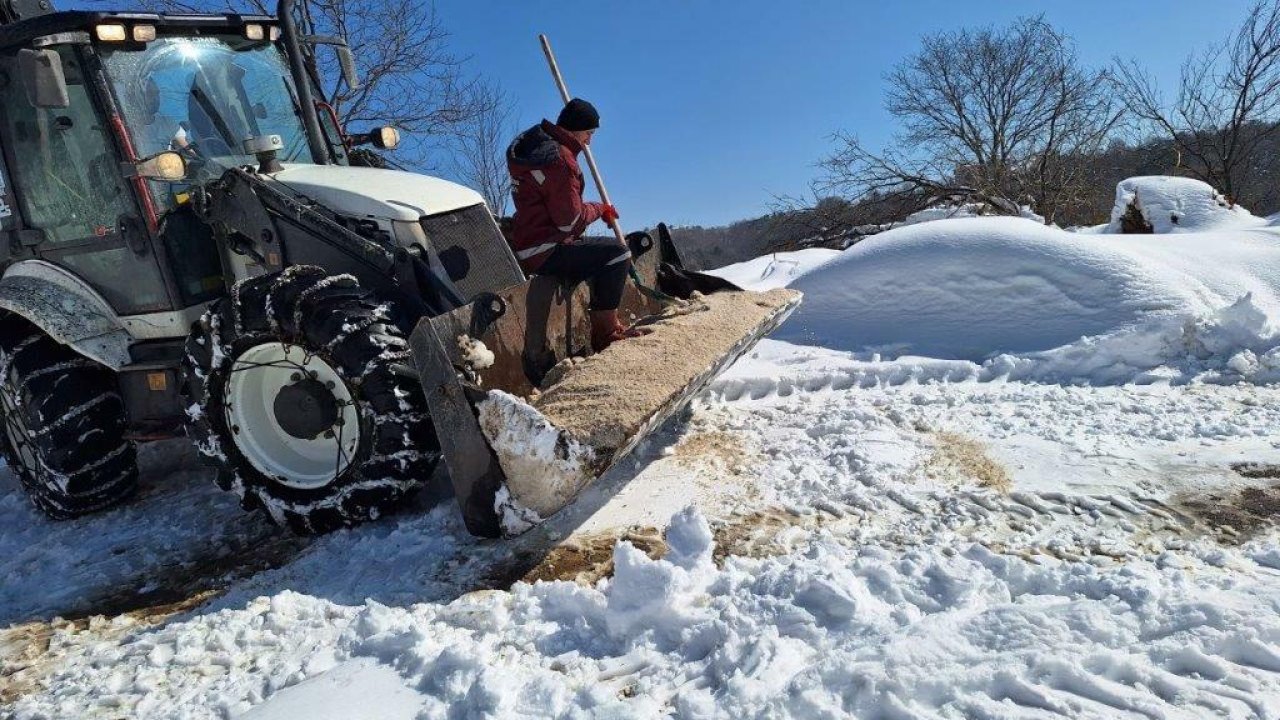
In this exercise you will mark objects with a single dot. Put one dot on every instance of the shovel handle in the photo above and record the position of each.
(586, 150)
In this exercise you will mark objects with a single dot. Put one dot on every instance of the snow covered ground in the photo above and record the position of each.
(1039, 524)
(777, 270)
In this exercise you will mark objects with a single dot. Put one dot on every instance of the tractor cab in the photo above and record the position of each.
(107, 121)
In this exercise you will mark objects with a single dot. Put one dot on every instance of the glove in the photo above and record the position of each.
(608, 213)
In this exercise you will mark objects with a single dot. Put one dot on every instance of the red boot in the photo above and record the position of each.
(607, 329)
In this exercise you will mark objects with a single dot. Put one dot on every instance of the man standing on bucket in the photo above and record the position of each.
(550, 217)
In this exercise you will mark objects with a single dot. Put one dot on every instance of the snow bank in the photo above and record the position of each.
(1177, 205)
(776, 270)
(1235, 344)
(981, 287)
(962, 210)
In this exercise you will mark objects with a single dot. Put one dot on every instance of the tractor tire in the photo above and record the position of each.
(297, 392)
(64, 424)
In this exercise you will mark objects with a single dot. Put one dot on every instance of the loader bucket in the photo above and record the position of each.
(527, 417)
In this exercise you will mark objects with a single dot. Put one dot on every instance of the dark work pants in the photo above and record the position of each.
(600, 261)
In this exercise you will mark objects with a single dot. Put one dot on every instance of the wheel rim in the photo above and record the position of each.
(15, 425)
(258, 378)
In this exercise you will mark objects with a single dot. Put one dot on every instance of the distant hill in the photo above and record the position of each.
(834, 222)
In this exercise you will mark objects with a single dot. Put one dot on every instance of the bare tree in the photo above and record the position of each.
(479, 148)
(797, 222)
(1002, 116)
(1228, 102)
(408, 76)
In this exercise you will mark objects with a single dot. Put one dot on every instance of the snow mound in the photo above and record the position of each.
(1232, 345)
(962, 210)
(944, 212)
(1176, 204)
(976, 288)
(776, 270)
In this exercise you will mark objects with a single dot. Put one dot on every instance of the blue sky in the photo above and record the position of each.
(709, 109)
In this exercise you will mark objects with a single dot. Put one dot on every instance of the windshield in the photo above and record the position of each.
(204, 96)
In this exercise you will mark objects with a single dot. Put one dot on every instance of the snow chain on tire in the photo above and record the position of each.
(64, 424)
(332, 319)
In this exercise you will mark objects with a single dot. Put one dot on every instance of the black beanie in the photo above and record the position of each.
(578, 114)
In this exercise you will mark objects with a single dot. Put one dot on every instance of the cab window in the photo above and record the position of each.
(71, 185)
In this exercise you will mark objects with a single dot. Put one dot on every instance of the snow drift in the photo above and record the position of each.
(979, 287)
(775, 270)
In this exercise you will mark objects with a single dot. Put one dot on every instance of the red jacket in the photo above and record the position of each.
(546, 185)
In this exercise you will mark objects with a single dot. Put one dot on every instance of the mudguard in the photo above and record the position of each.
(66, 309)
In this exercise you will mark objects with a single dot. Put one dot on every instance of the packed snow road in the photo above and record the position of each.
(1055, 526)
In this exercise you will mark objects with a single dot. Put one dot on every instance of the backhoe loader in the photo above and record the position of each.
(188, 247)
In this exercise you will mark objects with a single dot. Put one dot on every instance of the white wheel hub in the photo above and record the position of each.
(264, 425)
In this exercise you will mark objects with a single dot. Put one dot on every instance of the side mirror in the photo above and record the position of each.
(348, 63)
(168, 165)
(345, 58)
(42, 77)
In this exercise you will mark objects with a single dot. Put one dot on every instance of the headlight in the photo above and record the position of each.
(144, 33)
(110, 32)
(253, 31)
(164, 166)
(386, 138)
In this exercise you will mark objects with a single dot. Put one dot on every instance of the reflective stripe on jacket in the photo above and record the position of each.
(546, 187)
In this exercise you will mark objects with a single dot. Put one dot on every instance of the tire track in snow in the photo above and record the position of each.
(1024, 539)
(1073, 524)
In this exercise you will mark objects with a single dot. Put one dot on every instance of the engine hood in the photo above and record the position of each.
(373, 192)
